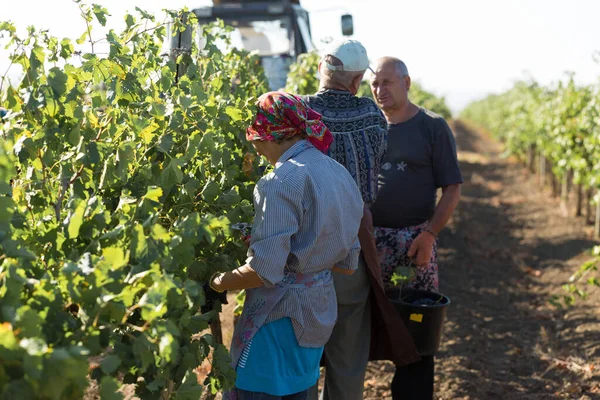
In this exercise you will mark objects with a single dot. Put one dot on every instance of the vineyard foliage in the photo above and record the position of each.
(585, 277)
(119, 181)
(421, 97)
(561, 123)
(303, 77)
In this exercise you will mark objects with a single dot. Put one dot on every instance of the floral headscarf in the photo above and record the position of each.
(281, 115)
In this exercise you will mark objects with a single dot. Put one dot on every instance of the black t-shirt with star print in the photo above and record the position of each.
(421, 157)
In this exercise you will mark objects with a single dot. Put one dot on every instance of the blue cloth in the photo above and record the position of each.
(274, 363)
(245, 395)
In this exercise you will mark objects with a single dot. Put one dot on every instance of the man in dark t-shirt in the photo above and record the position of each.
(421, 157)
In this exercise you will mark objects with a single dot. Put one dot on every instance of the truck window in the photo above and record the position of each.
(305, 32)
(267, 37)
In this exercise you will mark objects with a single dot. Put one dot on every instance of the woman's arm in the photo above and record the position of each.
(243, 277)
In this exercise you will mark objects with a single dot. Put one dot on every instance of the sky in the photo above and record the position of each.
(461, 49)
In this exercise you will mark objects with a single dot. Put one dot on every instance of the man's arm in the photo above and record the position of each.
(422, 246)
(446, 173)
(445, 208)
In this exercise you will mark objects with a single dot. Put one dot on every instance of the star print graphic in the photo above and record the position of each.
(401, 166)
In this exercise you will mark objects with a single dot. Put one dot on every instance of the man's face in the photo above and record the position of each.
(389, 89)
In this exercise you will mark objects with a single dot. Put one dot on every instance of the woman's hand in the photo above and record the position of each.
(216, 282)
(212, 294)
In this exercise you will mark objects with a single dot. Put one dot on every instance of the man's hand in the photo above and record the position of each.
(421, 248)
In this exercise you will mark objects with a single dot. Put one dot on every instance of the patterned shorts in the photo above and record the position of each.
(392, 248)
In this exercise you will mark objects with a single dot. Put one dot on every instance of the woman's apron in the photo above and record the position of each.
(258, 306)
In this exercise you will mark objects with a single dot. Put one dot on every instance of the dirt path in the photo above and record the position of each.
(506, 251)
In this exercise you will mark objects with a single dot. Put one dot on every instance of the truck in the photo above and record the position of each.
(278, 30)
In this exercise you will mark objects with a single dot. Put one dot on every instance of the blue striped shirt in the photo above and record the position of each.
(307, 216)
(359, 131)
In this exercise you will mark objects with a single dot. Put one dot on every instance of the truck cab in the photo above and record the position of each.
(279, 31)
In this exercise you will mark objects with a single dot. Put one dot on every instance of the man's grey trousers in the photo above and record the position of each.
(347, 351)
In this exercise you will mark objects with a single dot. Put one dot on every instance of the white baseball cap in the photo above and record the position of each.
(351, 53)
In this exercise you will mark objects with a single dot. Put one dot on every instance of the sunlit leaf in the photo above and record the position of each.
(76, 219)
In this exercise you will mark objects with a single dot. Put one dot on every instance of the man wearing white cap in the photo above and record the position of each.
(368, 327)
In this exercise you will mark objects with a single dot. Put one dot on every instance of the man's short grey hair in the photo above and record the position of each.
(400, 67)
(398, 64)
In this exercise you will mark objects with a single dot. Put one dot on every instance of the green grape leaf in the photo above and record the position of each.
(110, 363)
(76, 220)
(109, 387)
